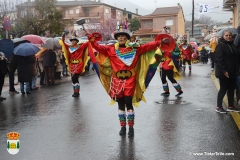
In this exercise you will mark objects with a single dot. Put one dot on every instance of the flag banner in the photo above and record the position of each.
(205, 8)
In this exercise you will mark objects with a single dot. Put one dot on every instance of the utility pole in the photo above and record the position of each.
(192, 16)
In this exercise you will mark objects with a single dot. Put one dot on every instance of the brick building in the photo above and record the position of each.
(153, 24)
(89, 10)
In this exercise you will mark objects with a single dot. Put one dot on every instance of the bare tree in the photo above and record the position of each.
(106, 29)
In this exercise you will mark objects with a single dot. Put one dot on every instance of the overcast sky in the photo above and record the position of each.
(148, 6)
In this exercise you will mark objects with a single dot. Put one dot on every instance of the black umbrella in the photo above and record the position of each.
(18, 41)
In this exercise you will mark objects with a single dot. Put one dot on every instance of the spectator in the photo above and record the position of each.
(35, 74)
(3, 72)
(41, 70)
(213, 44)
(25, 71)
(64, 66)
(58, 66)
(204, 55)
(227, 67)
(49, 60)
(11, 71)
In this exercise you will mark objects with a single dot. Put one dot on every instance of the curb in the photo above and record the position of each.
(235, 115)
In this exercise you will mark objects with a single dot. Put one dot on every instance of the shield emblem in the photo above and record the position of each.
(13, 146)
(13, 142)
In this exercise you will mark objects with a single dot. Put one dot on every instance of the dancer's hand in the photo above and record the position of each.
(166, 40)
(91, 38)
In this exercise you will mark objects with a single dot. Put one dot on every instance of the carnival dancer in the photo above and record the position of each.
(76, 58)
(169, 68)
(186, 51)
(128, 71)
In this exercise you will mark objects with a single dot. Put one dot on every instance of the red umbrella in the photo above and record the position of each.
(34, 39)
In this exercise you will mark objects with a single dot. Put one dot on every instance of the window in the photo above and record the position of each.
(71, 11)
(107, 10)
(169, 22)
(77, 11)
(23, 13)
(119, 14)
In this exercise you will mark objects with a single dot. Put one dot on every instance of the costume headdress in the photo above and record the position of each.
(121, 33)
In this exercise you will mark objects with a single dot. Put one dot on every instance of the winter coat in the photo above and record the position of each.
(58, 61)
(34, 68)
(213, 46)
(227, 59)
(237, 39)
(3, 67)
(203, 53)
(12, 66)
(40, 63)
(24, 67)
(49, 58)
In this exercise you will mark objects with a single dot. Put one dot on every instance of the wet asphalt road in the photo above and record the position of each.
(53, 125)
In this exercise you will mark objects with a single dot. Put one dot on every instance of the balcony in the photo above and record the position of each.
(94, 14)
(82, 15)
(228, 5)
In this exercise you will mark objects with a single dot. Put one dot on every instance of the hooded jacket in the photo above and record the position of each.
(227, 59)
(237, 39)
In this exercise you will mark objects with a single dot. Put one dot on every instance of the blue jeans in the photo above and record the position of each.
(34, 81)
(65, 71)
(27, 86)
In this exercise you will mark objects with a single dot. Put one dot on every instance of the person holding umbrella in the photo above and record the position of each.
(24, 60)
(76, 58)
(3, 72)
(7, 46)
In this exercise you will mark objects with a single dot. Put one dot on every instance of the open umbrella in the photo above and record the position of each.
(26, 49)
(220, 33)
(203, 45)
(6, 46)
(52, 43)
(34, 39)
(208, 37)
(18, 41)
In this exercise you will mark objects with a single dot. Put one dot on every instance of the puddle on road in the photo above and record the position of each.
(171, 102)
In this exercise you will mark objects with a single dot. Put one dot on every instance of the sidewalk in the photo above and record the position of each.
(17, 87)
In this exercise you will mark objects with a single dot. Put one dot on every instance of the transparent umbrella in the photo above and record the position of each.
(52, 43)
(233, 30)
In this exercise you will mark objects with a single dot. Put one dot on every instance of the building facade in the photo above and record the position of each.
(91, 11)
(234, 7)
(153, 24)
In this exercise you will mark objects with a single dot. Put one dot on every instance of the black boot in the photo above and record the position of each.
(179, 93)
(131, 132)
(165, 94)
(75, 95)
(122, 131)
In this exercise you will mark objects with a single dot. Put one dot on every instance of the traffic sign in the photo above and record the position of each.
(7, 23)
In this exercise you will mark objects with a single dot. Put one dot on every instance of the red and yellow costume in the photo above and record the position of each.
(76, 59)
(186, 52)
(168, 69)
(123, 71)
